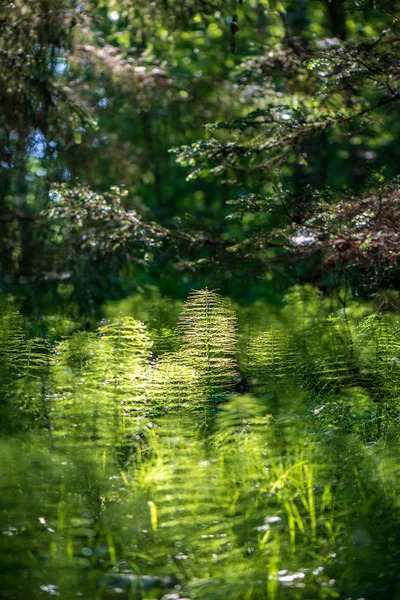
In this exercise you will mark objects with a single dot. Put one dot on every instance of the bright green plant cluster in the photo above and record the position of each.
(130, 475)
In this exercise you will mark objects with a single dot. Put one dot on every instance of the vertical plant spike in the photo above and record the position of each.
(122, 371)
(11, 344)
(330, 354)
(380, 355)
(302, 307)
(101, 383)
(174, 385)
(243, 432)
(23, 366)
(129, 340)
(127, 355)
(82, 409)
(208, 329)
(379, 343)
(33, 394)
(162, 325)
(19, 357)
(272, 360)
(165, 341)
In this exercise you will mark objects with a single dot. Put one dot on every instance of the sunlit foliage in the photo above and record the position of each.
(146, 476)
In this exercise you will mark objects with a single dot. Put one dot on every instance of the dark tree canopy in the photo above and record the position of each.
(256, 138)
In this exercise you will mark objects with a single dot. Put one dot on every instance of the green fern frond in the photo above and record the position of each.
(175, 384)
(379, 341)
(380, 353)
(125, 357)
(20, 357)
(100, 383)
(272, 360)
(81, 409)
(158, 313)
(329, 361)
(351, 409)
(208, 329)
(240, 419)
(11, 344)
(129, 338)
(302, 307)
(24, 367)
(37, 357)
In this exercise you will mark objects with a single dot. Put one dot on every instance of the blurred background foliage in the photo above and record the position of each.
(281, 116)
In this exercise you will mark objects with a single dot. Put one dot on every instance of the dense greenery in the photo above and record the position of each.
(199, 288)
(144, 475)
(184, 144)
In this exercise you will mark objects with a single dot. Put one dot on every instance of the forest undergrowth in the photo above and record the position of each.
(216, 457)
